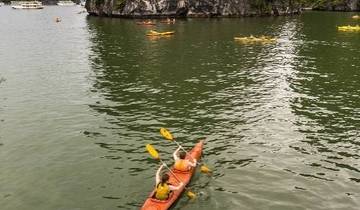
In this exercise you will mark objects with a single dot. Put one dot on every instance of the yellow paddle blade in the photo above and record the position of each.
(191, 195)
(205, 169)
(152, 151)
(166, 134)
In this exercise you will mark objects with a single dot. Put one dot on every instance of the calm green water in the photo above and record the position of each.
(80, 99)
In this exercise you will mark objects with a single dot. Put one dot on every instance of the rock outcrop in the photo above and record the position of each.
(339, 5)
(191, 8)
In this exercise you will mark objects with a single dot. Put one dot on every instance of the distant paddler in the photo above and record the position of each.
(253, 39)
(57, 19)
(169, 21)
(146, 23)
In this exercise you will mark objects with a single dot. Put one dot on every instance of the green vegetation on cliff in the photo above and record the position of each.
(341, 5)
(264, 6)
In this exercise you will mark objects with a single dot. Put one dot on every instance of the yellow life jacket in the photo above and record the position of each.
(162, 191)
(181, 165)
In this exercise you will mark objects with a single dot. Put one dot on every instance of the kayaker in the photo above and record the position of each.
(163, 188)
(181, 164)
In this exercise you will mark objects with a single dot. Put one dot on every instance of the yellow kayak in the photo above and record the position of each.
(349, 28)
(155, 33)
(253, 39)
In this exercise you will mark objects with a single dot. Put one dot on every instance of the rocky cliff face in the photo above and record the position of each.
(338, 5)
(191, 8)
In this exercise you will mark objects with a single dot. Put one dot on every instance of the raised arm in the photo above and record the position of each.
(157, 177)
(192, 162)
(175, 154)
(172, 187)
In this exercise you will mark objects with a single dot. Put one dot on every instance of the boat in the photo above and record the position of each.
(355, 17)
(155, 33)
(253, 40)
(168, 21)
(152, 203)
(155, 38)
(349, 28)
(80, 12)
(27, 5)
(66, 3)
(147, 23)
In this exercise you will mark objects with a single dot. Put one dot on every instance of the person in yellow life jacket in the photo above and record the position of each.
(181, 164)
(163, 188)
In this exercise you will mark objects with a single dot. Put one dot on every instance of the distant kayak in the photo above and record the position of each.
(168, 21)
(253, 39)
(154, 204)
(155, 33)
(349, 28)
(148, 23)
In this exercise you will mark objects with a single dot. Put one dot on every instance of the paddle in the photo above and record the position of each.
(152, 151)
(167, 135)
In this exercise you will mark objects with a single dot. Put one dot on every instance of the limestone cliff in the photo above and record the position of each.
(338, 5)
(191, 8)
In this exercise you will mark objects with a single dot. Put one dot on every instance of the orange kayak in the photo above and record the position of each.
(154, 204)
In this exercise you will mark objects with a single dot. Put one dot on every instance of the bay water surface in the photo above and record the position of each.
(81, 98)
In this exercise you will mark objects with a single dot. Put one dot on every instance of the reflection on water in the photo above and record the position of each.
(281, 119)
(328, 107)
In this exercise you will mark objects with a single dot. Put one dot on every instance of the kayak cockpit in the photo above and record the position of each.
(153, 199)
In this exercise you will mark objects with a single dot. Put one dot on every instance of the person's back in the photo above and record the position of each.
(181, 164)
(163, 189)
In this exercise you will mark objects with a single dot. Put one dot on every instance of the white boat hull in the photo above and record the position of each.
(27, 5)
(22, 7)
(66, 4)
